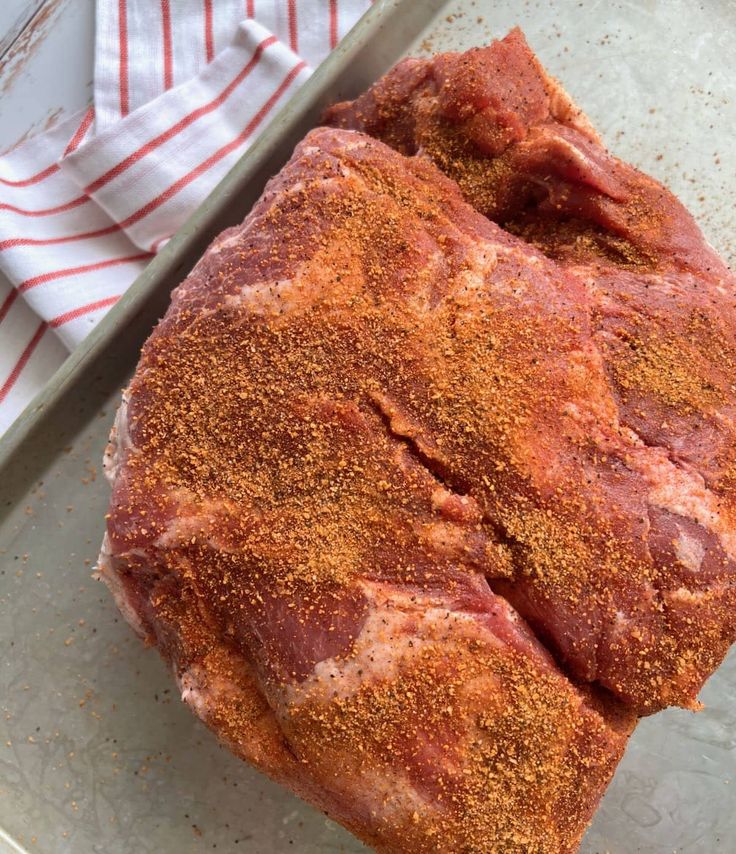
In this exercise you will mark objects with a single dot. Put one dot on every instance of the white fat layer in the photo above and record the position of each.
(691, 597)
(623, 621)
(522, 253)
(690, 552)
(225, 241)
(684, 493)
(106, 571)
(119, 443)
(181, 529)
(186, 524)
(395, 634)
(389, 795)
(202, 689)
(572, 154)
(480, 261)
(194, 694)
(676, 488)
(389, 638)
(567, 111)
(270, 297)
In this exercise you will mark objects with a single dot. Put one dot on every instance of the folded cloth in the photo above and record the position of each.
(181, 90)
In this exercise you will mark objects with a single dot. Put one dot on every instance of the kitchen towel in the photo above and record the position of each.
(181, 89)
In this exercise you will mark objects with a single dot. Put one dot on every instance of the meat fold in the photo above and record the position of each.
(640, 486)
(295, 523)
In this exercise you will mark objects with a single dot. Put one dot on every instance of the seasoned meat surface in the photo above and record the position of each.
(659, 314)
(422, 485)
(307, 474)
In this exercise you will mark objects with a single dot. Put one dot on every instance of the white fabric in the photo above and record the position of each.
(182, 88)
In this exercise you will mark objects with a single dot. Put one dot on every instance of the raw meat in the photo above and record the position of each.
(642, 594)
(296, 525)
(401, 433)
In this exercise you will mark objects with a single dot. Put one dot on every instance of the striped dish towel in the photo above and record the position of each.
(182, 87)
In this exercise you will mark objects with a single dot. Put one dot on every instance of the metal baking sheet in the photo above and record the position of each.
(97, 754)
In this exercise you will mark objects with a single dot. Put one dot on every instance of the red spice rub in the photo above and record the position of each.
(294, 541)
(660, 309)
